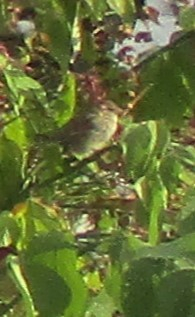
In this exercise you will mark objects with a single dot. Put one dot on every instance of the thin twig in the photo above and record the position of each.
(171, 46)
(77, 166)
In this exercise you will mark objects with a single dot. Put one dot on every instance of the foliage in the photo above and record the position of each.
(110, 233)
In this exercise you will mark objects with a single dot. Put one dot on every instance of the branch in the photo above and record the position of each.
(76, 166)
(180, 40)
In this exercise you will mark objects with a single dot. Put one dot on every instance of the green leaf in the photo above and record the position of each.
(54, 253)
(17, 132)
(18, 82)
(170, 170)
(68, 9)
(56, 23)
(35, 218)
(101, 306)
(167, 96)
(97, 8)
(186, 156)
(176, 294)
(3, 16)
(48, 242)
(116, 246)
(122, 248)
(107, 222)
(138, 145)
(182, 56)
(48, 170)
(186, 217)
(10, 173)
(49, 291)
(153, 195)
(19, 280)
(113, 283)
(187, 18)
(64, 106)
(123, 8)
(140, 282)
(187, 225)
(8, 227)
(181, 248)
(163, 138)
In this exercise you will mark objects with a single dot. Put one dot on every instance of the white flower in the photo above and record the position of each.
(164, 7)
(161, 32)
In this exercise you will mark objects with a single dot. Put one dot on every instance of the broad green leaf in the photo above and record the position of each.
(18, 80)
(181, 248)
(182, 56)
(47, 170)
(140, 282)
(66, 8)
(93, 282)
(163, 138)
(75, 282)
(186, 176)
(170, 170)
(123, 8)
(187, 225)
(50, 293)
(19, 83)
(107, 223)
(186, 156)
(64, 106)
(115, 246)
(34, 218)
(3, 61)
(138, 144)
(8, 228)
(113, 283)
(122, 248)
(3, 16)
(187, 19)
(18, 277)
(142, 211)
(167, 96)
(153, 195)
(87, 47)
(56, 25)
(186, 217)
(97, 8)
(176, 294)
(48, 242)
(134, 244)
(17, 132)
(54, 253)
(10, 173)
(101, 306)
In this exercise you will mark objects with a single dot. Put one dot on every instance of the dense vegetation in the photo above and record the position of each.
(97, 157)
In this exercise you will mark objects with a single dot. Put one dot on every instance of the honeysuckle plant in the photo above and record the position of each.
(97, 224)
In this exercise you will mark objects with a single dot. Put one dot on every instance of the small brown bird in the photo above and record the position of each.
(88, 133)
